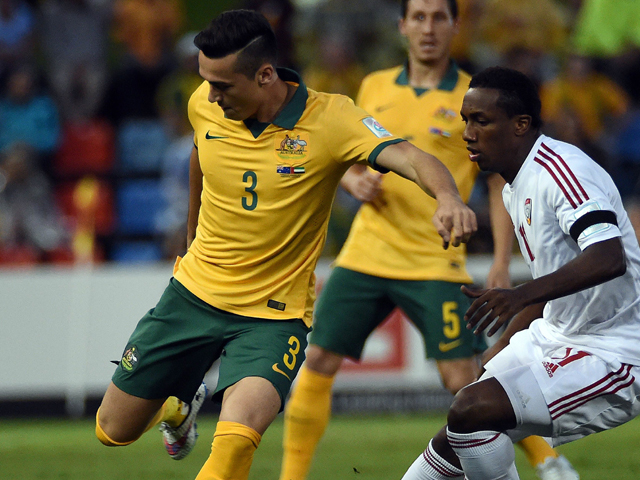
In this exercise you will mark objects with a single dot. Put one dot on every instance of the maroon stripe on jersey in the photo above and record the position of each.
(566, 194)
(568, 169)
(553, 163)
(615, 382)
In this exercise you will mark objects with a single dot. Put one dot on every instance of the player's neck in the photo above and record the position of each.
(427, 75)
(279, 96)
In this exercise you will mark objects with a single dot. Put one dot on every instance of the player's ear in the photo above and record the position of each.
(266, 74)
(522, 124)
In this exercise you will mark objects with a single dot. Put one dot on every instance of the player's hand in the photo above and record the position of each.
(454, 221)
(497, 305)
(365, 186)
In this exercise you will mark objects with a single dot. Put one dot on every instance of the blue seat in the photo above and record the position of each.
(136, 252)
(138, 205)
(141, 146)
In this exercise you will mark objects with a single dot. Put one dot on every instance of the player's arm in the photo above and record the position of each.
(598, 263)
(502, 232)
(454, 220)
(361, 183)
(195, 193)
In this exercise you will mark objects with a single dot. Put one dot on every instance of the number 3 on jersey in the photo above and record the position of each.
(252, 179)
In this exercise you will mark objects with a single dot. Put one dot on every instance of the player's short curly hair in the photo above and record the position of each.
(245, 32)
(518, 94)
(453, 8)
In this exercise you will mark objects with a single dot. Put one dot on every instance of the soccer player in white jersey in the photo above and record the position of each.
(568, 364)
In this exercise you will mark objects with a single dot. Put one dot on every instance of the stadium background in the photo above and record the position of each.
(90, 221)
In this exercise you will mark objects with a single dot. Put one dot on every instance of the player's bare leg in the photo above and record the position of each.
(122, 418)
(308, 411)
(458, 373)
(248, 408)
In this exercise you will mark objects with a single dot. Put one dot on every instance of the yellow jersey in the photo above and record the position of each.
(266, 198)
(394, 237)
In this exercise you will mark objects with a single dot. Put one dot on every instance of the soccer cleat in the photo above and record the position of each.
(556, 468)
(180, 441)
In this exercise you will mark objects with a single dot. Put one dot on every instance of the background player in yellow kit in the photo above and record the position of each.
(393, 255)
(264, 170)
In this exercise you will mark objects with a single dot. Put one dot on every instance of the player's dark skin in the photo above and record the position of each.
(499, 143)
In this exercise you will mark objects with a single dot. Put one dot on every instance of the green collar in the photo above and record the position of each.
(292, 111)
(448, 82)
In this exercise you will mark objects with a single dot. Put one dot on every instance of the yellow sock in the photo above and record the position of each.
(173, 411)
(537, 450)
(306, 417)
(231, 452)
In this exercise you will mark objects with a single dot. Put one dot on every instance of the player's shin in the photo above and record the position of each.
(305, 419)
(231, 452)
(485, 455)
(431, 466)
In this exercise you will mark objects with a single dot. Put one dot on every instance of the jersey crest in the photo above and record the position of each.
(292, 147)
(527, 210)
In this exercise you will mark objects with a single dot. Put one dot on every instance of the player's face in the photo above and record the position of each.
(238, 96)
(429, 28)
(490, 133)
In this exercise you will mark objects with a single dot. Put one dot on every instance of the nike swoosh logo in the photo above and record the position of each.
(276, 369)
(213, 137)
(445, 347)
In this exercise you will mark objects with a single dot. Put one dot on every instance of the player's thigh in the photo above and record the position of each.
(437, 308)
(172, 347)
(351, 305)
(270, 349)
(565, 389)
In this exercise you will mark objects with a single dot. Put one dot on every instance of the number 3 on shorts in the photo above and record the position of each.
(290, 361)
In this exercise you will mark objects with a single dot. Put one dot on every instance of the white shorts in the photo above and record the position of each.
(567, 394)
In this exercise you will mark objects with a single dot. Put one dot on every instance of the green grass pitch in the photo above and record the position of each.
(354, 448)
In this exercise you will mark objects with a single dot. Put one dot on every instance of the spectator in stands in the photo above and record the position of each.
(31, 227)
(28, 114)
(147, 30)
(280, 15)
(578, 104)
(74, 37)
(335, 69)
(17, 25)
(173, 97)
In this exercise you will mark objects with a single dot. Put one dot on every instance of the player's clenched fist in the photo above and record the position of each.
(454, 221)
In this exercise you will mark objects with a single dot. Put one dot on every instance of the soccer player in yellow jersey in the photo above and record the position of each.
(393, 255)
(268, 157)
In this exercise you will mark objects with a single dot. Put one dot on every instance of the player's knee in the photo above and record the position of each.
(322, 361)
(462, 416)
(455, 383)
(109, 439)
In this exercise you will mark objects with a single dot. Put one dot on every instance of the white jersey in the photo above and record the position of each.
(556, 186)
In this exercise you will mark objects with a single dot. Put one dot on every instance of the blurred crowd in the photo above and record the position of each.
(94, 135)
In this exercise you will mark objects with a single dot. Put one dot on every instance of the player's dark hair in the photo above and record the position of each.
(518, 94)
(453, 8)
(245, 31)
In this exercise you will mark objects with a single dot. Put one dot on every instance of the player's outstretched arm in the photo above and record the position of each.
(195, 192)
(454, 220)
(597, 264)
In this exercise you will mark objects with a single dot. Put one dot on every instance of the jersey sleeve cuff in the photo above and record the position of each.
(376, 151)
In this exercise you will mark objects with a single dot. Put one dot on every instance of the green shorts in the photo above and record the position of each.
(353, 304)
(175, 344)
